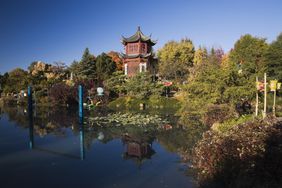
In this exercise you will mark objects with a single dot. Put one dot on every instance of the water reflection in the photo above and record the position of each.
(137, 141)
(31, 116)
(81, 138)
(137, 149)
(57, 141)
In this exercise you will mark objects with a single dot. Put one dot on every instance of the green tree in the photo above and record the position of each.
(86, 68)
(175, 59)
(116, 83)
(274, 59)
(17, 81)
(141, 86)
(249, 54)
(105, 66)
(200, 56)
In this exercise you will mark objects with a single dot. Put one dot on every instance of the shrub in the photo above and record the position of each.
(248, 155)
(218, 113)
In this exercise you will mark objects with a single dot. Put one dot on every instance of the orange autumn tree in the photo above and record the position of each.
(115, 57)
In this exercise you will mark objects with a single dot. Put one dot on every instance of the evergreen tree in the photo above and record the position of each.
(87, 66)
(249, 54)
(274, 59)
(105, 66)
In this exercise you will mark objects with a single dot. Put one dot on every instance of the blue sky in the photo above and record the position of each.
(60, 30)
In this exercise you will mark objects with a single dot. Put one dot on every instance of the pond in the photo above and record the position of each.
(50, 148)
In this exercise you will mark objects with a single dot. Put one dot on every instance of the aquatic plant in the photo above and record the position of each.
(125, 119)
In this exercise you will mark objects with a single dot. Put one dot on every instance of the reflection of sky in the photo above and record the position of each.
(53, 162)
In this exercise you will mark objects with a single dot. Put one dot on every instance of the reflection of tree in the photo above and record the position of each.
(181, 140)
(47, 121)
(136, 139)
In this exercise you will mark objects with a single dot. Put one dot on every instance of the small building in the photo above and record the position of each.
(138, 56)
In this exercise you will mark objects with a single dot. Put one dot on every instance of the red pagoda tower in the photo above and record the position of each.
(138, 55)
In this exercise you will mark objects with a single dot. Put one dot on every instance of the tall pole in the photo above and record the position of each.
(257, 98)
(80, 100)
(81, 116)
(265, 95)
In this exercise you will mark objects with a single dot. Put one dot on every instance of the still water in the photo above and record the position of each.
(52, 149)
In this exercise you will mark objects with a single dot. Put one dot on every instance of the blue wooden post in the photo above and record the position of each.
(81, 116)
(80, 100)
(30, 115)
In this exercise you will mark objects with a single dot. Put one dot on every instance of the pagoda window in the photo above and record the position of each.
(133, 48)
(143, 48)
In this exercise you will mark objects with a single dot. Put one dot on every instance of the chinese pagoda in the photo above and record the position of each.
(138, 55)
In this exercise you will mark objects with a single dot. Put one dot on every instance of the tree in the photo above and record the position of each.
(3, 81)
(17, 81)
(215, 88)
(85, 69)
(105, 66)
(274, 59)
(141, 86)
(200, 55)
(249, 54)
(116, 83)
(75, 68)
(175, 59)
(116, 58)
(87, 65)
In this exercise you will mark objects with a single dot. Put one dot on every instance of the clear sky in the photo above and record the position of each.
(60, 30)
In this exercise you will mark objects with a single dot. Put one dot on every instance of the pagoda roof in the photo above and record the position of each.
(136, 55)
(138, 36)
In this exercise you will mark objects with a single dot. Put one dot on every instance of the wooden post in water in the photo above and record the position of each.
(80, 100)
(257, 98)
(81, 119)
(265, 97)
(30, 115)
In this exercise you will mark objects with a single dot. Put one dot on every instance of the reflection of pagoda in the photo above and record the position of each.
(137, 149)
(138, 55)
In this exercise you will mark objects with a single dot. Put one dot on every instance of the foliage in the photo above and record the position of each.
(200, 55)
(250, 54)
(217, 113)
(116, 58)
(3, 81)
(225, 126)
(154, 104)
(178, 55)
(61, 94)
(248, 155)
(218, 79)
(116, 83)
(85, 69)
(274, 59)
(16, 81)
(105, 67)
(141, 86)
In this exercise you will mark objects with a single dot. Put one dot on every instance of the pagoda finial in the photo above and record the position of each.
(138, 28)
